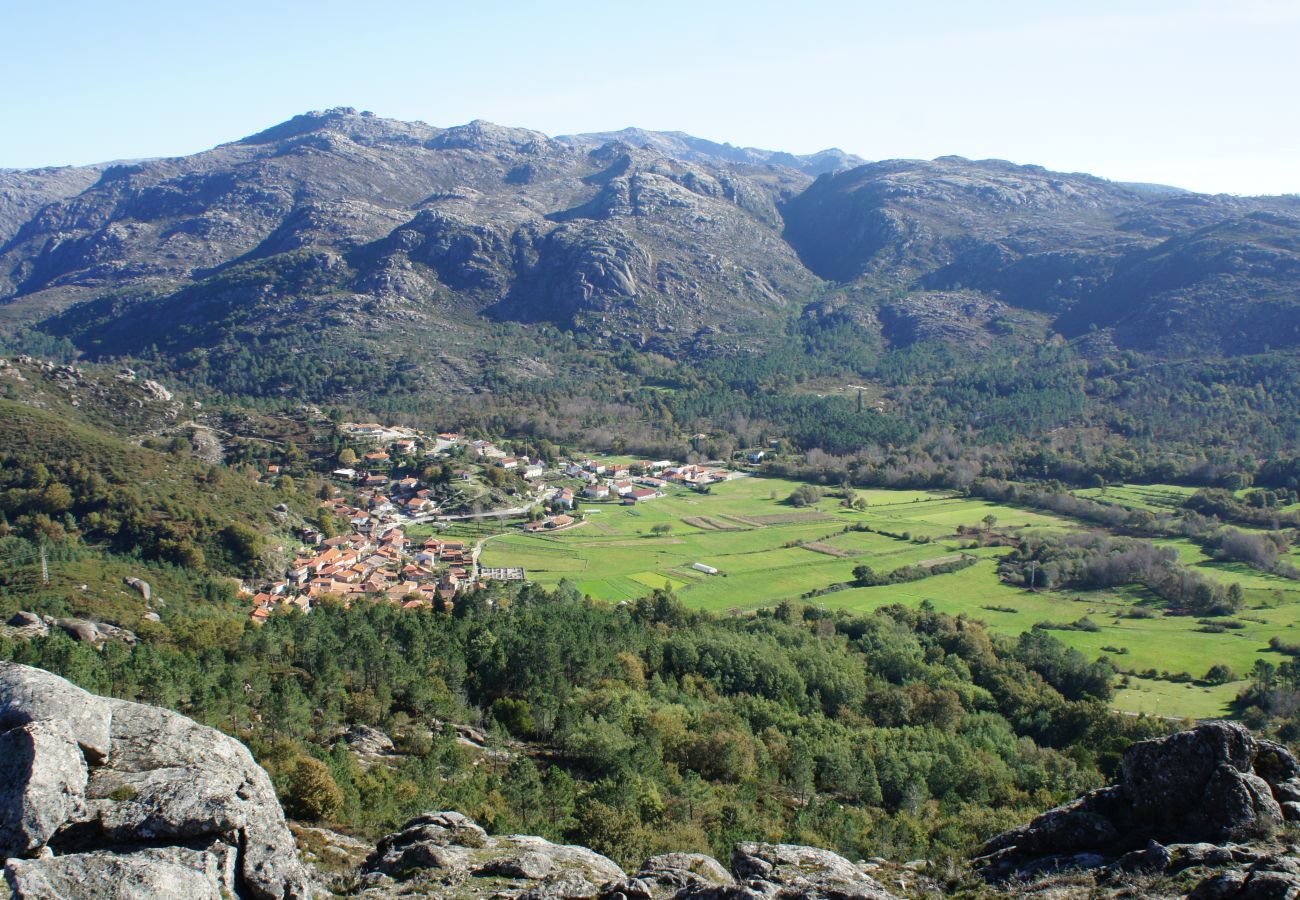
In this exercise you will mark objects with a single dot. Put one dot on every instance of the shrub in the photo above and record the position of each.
(1219, 674)
(313, 794)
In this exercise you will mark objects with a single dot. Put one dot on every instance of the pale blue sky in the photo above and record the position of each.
(1188, 92)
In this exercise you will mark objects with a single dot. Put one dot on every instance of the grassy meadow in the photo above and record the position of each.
(766, 551)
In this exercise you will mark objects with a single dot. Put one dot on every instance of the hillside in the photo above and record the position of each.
(113, 478)
(1165, 272)
(642, 287)
(351, 226)
(364, 221)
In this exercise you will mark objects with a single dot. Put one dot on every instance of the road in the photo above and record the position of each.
(485, 514)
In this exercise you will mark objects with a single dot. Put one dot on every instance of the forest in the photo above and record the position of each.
(642, 727)
(924, 414)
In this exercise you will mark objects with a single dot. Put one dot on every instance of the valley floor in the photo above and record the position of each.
(765, 550)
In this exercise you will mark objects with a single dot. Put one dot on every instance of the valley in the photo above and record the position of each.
(649, 493)
(767, 552)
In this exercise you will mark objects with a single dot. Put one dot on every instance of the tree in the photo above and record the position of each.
(1220, 674)
(515, 715)
(865, 576)
(243, 542)
(1236, 598)
(347, 457)
(313, 793)
(804, 495)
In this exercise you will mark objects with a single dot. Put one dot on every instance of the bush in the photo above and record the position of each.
(313, 794)
(515, 715)
(804, 495)
(1219, 674)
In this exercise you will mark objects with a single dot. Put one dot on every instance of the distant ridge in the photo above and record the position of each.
(337, 228)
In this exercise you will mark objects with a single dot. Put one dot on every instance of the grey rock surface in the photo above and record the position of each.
(140, 585)
(806, 873)
(24, 619)
(446, 854)
(668, 875)
(1182, 801)
(106, 798)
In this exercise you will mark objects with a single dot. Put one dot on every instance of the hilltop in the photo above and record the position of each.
(353, 226)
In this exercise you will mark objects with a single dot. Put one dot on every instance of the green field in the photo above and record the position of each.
(1151, 497)
(767, 551)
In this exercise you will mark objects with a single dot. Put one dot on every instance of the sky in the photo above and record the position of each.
(1193, 93)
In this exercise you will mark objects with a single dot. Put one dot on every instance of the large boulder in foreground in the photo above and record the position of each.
(802, 873)
(1213, 785)
(446, 855)
(105, 798)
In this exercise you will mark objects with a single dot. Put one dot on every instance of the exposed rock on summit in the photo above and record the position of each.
(105, 798)
(1184, 800)
(445, 854)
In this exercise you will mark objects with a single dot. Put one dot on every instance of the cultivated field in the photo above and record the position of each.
(766, 551)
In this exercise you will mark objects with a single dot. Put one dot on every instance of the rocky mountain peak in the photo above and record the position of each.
(362, 127)
(488, 136)
(641, 234)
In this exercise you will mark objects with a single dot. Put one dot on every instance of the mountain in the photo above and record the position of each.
(341, 230)
(680, 145)
(354, 217)
(1163, 271)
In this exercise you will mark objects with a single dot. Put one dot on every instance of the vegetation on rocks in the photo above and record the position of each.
(646, 727)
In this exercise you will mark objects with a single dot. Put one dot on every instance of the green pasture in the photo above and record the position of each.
(618, 555)
(1165, 698)
(1151, 497)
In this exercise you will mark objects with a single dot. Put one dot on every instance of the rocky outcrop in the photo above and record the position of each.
(805, 873)
(1270, 878)
(370, 745)
(670, 875)
(1182, 801)
(139, 584)
(24, 625)
(445, 854)
(105, 798)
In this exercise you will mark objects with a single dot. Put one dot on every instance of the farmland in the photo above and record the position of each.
(767, 551)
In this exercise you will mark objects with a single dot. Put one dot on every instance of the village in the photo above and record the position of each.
(373, 505)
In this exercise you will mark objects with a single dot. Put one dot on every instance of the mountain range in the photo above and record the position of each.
(341, 223)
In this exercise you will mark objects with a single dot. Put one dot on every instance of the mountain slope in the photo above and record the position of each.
(680, 145)
(426, 223)
(1216, 273)
(341, 232)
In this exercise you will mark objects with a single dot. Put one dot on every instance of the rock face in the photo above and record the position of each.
(448, 854)
(105, 798)
(370, 745)
(806, 873)
(1179, 798)
(445, 854)
(340, 220)
(670, 875)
